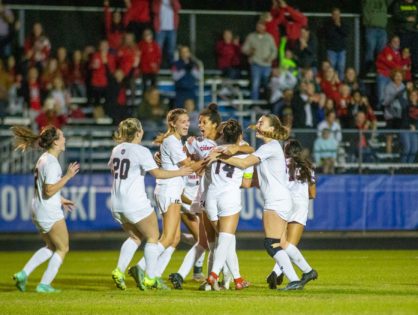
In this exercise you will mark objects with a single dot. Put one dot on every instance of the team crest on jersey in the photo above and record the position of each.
(123, 151)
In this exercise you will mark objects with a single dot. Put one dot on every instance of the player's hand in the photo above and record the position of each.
(187, 170)
(212, 157)
(73, 169)
(228, 150)
(68, 205)
(190, 140)
(157, 158)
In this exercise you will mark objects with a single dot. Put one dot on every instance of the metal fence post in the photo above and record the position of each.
(357, 43)
(192, 25)
(22, 27)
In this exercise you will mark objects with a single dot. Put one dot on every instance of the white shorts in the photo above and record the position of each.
(163, 202)
(282, 207)
(45, 219)
(132, 217)
(222, 204)
(299, 211)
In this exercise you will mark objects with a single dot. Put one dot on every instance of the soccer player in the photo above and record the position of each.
(168, 191)
(271, 169)
(130, 206)
(301, 183)
(47, 204)
(223, 206)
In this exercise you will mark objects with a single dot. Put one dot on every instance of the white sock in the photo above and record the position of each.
(127, 252)
(297, 258)
(142, 264)
(52, 270)
(163, 260)
(41, 255)
(151, 253)
(210, 256)
(232, 260)
(284, 262)
(221, 251)
(277, 269)
(200, 260)
(189, 260)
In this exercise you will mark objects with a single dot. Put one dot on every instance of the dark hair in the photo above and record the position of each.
(25, 138)
(231, 131)
(212, 113)
(172, 117)
(293, 151)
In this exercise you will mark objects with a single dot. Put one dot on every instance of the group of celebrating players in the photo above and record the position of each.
(198, 182)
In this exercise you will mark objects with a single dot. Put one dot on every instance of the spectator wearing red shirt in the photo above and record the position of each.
(48, 74)
(272, 26)
(166, 22)
(330, 85)
(291, 19)
(114, 26)
(50, 116)
(137, 17)
(37, 46)
(387, 60)
(342, 106)
(406, 63)
(77, 75)
(126, 53)
(150, 53)
(228, 55)
(98, 77)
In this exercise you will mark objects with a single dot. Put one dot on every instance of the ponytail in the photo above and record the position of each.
(280, 131)
(298, 160)
(25, 138)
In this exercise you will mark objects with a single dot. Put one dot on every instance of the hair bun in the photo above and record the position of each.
(213, 107)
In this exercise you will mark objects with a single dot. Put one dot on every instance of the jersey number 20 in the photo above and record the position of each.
(121, 168)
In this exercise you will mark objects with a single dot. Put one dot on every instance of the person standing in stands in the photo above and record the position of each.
(336, 33)
(375, 20)
(114, 27)
(185, 74)
(150, 60)
(261, 49)
(405, 16)
(166, 23)
(137, 17)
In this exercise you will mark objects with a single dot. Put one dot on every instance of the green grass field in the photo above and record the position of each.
(350, 282)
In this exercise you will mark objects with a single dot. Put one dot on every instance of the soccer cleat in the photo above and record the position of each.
(213, 281)
(21, 278)
(160, 284)
(177, 280)
(280, 278)
(308, 276)
(294, 285)
(205, 286)
(119, 279)
(241, 284)
(46, 288)
(149, 283)
(199, 277)
(138, 274)
(272, 280)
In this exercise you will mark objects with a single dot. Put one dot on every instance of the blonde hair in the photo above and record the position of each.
(280, 131)
(172, 117)
(127, 130)
(25, 138)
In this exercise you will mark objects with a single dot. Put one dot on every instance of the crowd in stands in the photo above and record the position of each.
(281, 57)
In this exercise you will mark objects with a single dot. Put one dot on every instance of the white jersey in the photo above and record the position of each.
(271, 170)
(298, 189)
(225, 177)
(47, 172)
(172, 154)
(201, 147)
(191, 185)
(129, 162)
